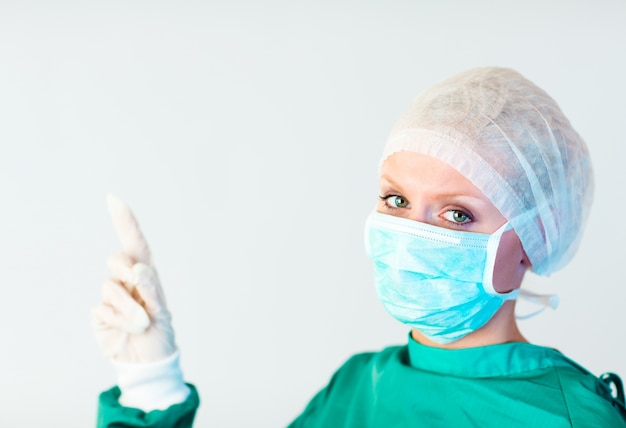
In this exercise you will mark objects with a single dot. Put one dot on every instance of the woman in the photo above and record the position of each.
(481, 180)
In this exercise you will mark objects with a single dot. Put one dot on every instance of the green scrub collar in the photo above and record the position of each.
(486, 361)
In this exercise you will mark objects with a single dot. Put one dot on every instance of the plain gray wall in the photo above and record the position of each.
(245, 136)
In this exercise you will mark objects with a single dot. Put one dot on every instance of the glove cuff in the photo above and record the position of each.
(151, 386)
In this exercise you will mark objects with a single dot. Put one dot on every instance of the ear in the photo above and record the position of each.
(511, 263)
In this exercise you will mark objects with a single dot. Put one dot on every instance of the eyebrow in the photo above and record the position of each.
(448, 195)
(390, 181)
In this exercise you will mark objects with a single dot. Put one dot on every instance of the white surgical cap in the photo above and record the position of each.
(511, 140)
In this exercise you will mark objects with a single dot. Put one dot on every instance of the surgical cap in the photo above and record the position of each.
(511, 140)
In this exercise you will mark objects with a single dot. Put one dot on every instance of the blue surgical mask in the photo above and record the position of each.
(437, 280)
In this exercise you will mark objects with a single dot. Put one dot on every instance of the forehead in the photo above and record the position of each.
(417, 171)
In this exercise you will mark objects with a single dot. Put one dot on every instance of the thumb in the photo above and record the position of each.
(119, 310)
(133, 242)
(149, 289)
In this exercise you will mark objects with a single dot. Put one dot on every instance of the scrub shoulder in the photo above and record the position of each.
(383, 389)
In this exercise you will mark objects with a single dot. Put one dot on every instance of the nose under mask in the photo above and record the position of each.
(436, 280)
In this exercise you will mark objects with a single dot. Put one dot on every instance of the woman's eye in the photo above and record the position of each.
(457, 216)
(396, 201)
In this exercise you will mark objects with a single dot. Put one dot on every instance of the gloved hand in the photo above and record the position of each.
(133, 325)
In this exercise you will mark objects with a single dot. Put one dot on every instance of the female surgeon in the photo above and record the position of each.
(481, 180)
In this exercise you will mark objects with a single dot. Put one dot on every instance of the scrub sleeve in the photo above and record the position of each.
(112, 415)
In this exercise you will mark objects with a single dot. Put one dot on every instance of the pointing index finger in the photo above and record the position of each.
(128, 232)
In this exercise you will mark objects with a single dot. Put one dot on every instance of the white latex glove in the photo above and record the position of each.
(132, 323)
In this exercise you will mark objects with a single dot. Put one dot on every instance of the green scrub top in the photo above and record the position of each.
(507, 385)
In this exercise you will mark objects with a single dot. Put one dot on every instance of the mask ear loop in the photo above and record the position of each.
(492, 252)
(545, 300)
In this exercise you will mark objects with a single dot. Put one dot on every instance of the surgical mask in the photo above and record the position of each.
(436, 280)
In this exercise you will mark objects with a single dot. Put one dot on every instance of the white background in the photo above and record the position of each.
(245, 136)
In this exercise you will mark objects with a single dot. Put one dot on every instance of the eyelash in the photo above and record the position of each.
(470, 217)
(387, 205)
